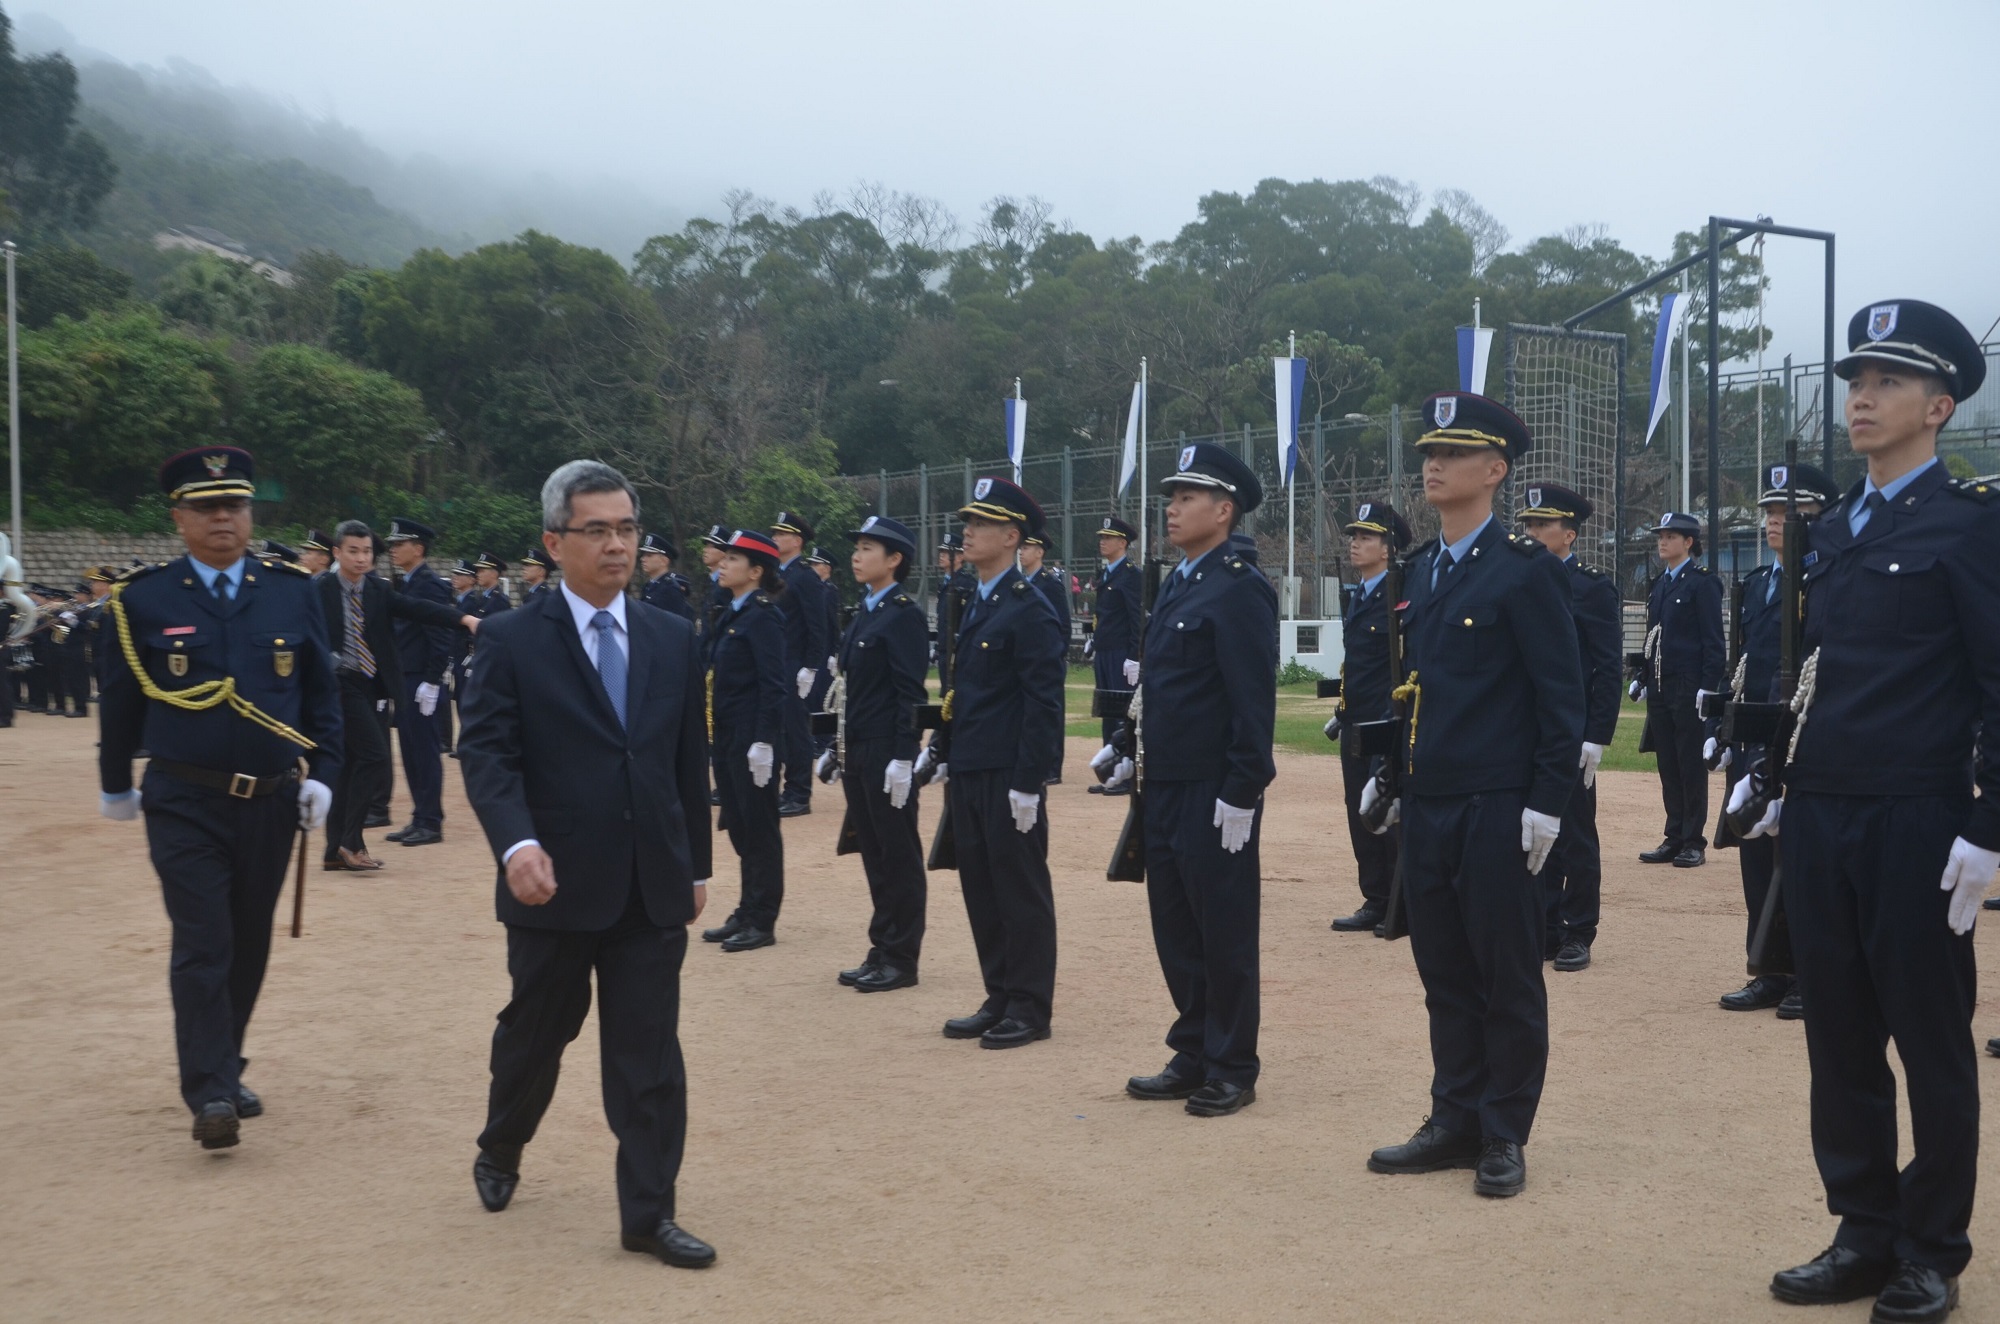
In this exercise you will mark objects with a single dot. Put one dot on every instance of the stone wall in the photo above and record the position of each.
(59, 557)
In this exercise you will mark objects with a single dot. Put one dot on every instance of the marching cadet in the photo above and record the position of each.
(1885, 849)
(663, 588)
(488, 569)
(535, 568)
(1115, 622)
(1495, 731)
(224, 674)
(1684, 661)
(1757, 664)
(424, 651)
(1376, 535)
(1573, 879)
(1211, 678)
(748, 685)
(806, 650)
(1003, 722)
(1054, 586)
(316, 552)
(883, 668)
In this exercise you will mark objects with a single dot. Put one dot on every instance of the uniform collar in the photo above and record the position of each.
(583, 613)
(209, 572)
(986, 586)
(1114, 565)
(874, 599)
(1896, 485)
(1459, 549)
(1369, 584)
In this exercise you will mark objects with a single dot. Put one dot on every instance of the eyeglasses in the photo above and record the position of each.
(598, 531)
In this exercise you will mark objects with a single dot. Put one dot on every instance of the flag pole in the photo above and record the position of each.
(1291, 509)
(1687, 432)
(1145, 492)
(1018, 453)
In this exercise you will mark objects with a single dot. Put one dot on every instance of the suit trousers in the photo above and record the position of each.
(1678, 735)
(1009, 899)
(1475, 916)
(638, 968)
(1877, 962)
(1757, 858)
(1573, 877)
(385, 722)
(892, 856)
(364, 763)
(221, 862)
(1374, 856)
(750, 814)
(1205, 905)
(797, 748)
(423, 766)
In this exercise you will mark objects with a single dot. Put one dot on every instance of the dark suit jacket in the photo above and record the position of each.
(381, 607)
(545, 757)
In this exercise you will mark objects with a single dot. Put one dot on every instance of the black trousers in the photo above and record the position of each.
(72, 680)
(1757, 858)
(1004, 874)
(385, 722)
(1573, 876)
(1109, 673)
(221, 863)
(638, 967)
(796, 749)
(1205, 905)
(750, 814)
(892, 856)
(1678, 735)
(1877, 963)
(448, 700)
(364, 763)
(423, 766)
(1476, 932)
(816, 702)
(1374, 857)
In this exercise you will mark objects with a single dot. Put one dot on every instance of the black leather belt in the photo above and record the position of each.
(239, 784)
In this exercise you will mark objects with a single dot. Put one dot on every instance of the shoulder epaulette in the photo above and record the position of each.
(761, 600)
(1236, 564)
(903, 600)
(1973, 489)
(141, 571)
(1703, 570)
(1021, 586)
(1525, 545)
(293, 566)
(1589, 571)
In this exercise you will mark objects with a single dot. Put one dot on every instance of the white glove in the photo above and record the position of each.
(1027, 807)
(122, 807)
(427, 698)
(315, 799)
(1370, 795)
(1089, 646)
(1103, 759)
(827, 767)
(806, 675)
(1699, 695)
(896, 782)
(760, 759)
(1332, 727)
(1588, 760)
(1708, 754)
(381, 705)
(1121, 773)
(832, 662)
(1132, 672)
(1966, 876)
(1637, 691)
(67, 618)
(1538, 837)
(1235, 824)
(1767, 826)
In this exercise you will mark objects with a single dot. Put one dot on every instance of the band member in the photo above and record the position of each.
(73, 652)
(1495, 731)
(424, 650)
(1885, 849)
(535, 567)
(223, 795)
(882, 674)
(806, 649)
(1376, 534)
(663, 588)
(316, 552)
(1004, 719)
(1573, 879)
(1054, 586)
(1211, 677)
(1116, 616)
(748, 683)
(1684, 660)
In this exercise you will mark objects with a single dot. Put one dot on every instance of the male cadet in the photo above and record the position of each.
(423, 651)
(1885, 852)
(316, 552)
(1572, 881)
(1211, 678)
(1375, 535)
(1116, 622)
(662, 588)
(488, 569)
(1054, 586)
(822, 567)
(1495, 731)
(954, 576)
(468, 598)
(806, 649)
(1684, 660)
(1003, 723)
(717, 597)
(535, 567)
(1756, 680)
(224, 675)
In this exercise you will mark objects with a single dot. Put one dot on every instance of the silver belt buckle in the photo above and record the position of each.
(242, 785)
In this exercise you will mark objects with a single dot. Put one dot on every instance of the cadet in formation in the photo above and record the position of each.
(1115, 623)
(663, 588)
(806, 649)
(1375, 536)
(424, 650)
(1053, 585)
(1684, 660)
(535, 568)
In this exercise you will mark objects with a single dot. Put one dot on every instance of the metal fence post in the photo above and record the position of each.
(1319, 519)
(1068, 503)
(924, 558)
(882, 493)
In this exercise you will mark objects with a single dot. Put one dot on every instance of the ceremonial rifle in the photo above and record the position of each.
(1128, 857)
(832, 765)
(1392, 741)
(933, 716)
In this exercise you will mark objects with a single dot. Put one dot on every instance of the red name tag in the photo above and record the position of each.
(1404, 605)
(178, 629)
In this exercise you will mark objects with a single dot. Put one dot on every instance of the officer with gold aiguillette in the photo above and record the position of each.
(223, 673)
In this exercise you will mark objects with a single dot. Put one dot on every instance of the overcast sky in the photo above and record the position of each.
(1876, 121)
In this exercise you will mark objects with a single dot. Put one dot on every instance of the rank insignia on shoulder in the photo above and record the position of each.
(1020, 586)
(901, 599)
(1591, 571)
(1974, 489)
(1522, 543)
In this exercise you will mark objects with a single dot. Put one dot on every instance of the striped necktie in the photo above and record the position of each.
(355, 646)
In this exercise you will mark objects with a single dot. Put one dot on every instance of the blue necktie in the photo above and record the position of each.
(610, 662)
(1875, 502)
(223, 588)
(1771, 593)
(1446, 563)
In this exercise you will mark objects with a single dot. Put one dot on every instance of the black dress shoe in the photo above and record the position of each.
(885, 977)
(1990, 903)
(1166, 1085)
(1993, 1047)
(1660, 854)
(1431, 1149)
(714, 799)
(215, 1124)
(749, 939)
(1837, 1274)
(1573, 956)
(1122, 788)
(971, 1027)
(1762, 992)
(422, 837)
(1793, 1008)
(400, 832)
(724, 931)
(1502, 1170)
(1691, 858)
(1361, 921)
(848, 977)
(495, 1180)
(671, 1245)
(1010, 1033)
(794, 808)
(1219, 1098)
(1094, 790)
(1916, 1294)
(247, 1102)
(375, 821)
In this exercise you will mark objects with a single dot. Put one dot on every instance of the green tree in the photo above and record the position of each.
(53, 175)
(218, 296)
(340, 439)
(796, 477)
(61, 279)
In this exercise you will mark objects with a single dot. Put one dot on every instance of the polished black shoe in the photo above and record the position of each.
(1793, 1008)
(748, 939)
(1122, 788)
(1691, 858)
(247, 1102)
(1573, 956)
(1916, 1294)
(495, 1179)
(1010, 1033)
(884, 978)
(848, 977)
(422, 837)
(971, 1027)
(794, 808)
(215, 1125)
(714, 799)
(1837, 1274)
(1502, 1170)
(672, 1245)
(1660, 854)
(1993, 1047)
(1363, 920)
(1219, 1098)
(1166, 1085)
(1431, 1149)
(400, 832)
(1990, 903)
(1760, 993)
(724, 931)
(1094, 790)
(375, 821)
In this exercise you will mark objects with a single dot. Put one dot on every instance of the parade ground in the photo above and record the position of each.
(847, 1161)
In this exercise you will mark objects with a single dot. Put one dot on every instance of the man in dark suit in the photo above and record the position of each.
(806, 650)
(423, 651)
(585, 754)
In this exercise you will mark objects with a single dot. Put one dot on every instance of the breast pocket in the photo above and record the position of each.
(989, 659)
(1471, 640)
(1189, 639)
(180, 656)
(1901, 590)
(276, 658)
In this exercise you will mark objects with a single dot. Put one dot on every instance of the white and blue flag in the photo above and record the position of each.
(1128, 463)
(1673, 311)
(1475, 346)
(1291, 392)
(1017, 432)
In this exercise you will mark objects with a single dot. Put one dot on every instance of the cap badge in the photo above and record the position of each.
(1107, 521)
(981, 488)
(1364, 512)
(1666, 519)
(1447, 410)
(1534, 496)
(1882, 321)
(1779, 474)
(1187, 458)
(217, 464)
(868, 524)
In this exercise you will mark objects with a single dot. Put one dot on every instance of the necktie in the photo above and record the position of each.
(1876, 501)
(610, 662)
(1771, 593)
(355, 646)
(1445, 564)
(223, 589)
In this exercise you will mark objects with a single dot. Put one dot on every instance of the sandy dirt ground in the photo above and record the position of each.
(848, 1161)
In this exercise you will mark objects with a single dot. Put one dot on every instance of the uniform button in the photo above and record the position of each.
(1894, 566)
(1468, 620)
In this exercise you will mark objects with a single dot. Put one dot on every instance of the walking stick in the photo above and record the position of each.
(299, 880)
